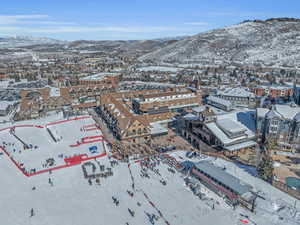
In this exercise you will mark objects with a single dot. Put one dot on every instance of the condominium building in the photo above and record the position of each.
(274, 91)
(280, 123)
(237, 96)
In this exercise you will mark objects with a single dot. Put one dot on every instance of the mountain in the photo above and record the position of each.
(132, 47)
(22, 41)
(272, 42)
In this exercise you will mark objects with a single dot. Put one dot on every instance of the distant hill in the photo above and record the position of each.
(132, 47)
(272, 42)
(22, 41)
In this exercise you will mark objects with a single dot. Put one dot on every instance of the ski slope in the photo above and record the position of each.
(71, 199)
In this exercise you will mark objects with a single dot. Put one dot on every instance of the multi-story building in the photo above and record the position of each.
(280, 123)
(5, 107)
(40, 100)
(3, 76)
(296, 94)
(135, 121)
(219, 103)
(274, 91)
(237, 96)
(223, 183)
(221, 131)
(169, 101)
(124, 125)
(109, 80)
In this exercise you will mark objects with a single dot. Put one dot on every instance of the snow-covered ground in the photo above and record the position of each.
(158, 68)
(39, 146)
(70, 199)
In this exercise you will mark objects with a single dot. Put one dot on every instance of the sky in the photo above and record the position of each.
(132, 19)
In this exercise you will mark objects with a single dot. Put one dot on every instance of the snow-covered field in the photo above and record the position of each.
(71, 199)
(159, 68)
(35, 147)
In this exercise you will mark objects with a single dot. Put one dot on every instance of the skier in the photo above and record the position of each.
(50, 181)
(131, 212)
(31, 212)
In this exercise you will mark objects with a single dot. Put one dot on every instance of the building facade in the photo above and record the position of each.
(238, 96)
(135, 116)
(280, 123)
(222, 132)
(224, 184)
(219, 103)
(274, 91)
(169, 101)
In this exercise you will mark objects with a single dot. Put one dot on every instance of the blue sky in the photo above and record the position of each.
(132, 19)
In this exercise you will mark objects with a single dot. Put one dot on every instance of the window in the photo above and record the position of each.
(273, 129)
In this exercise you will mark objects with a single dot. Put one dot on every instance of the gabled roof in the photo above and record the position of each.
(272, 114)
(219, 100)
(297, 117)
(224, 177)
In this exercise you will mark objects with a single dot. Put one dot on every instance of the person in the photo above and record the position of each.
(31, 212)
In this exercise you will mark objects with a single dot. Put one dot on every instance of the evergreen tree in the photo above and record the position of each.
(265, 168)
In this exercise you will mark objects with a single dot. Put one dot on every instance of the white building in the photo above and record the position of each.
(237, 96)
(5, 107)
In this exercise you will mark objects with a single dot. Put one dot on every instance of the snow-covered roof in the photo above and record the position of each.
(261, 112)
(241, 119)
(231, 126)
(224, 138)
(241, 145)
(5, 104)
(280, 88)
(158, 68)
(191, 116)
(238, 92)
(99, 76)
(54, 92)
(224, 177)
(4, 84)
(157, 128)
(287, 111)
(282, 111)
(199, 109)
(219, 100)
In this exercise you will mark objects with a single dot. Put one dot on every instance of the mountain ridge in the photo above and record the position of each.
(274, 41)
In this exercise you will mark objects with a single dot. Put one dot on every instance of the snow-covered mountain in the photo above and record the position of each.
(21, 41)
(273, 42)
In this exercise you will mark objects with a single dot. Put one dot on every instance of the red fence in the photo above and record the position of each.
(69, 162)
(63, 121)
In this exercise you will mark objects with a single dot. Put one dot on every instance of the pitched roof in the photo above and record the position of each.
(227, 179)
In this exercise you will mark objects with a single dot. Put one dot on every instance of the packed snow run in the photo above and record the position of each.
(37, 148)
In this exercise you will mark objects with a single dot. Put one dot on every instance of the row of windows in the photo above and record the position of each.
(168, 97)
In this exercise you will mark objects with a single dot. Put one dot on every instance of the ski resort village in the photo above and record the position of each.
(201, 129)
